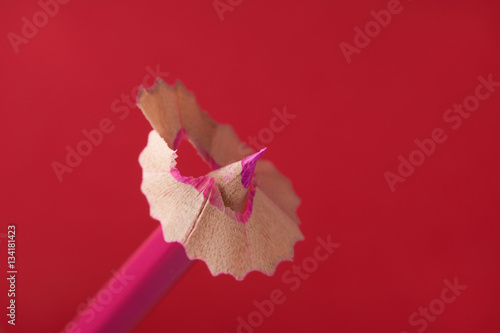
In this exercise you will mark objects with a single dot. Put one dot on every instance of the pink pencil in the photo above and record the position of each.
(240, 217)
(149, 273)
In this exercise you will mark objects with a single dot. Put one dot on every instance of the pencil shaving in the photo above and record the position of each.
(239, 217)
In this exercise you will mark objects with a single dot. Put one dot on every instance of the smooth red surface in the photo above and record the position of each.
(353, 120)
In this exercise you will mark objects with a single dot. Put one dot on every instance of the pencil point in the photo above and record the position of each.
(248, 165)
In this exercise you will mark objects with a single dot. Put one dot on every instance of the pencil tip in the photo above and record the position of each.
(248, 165)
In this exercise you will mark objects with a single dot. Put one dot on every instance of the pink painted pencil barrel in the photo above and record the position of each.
(142, 280)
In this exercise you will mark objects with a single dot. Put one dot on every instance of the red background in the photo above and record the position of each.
(353, 120)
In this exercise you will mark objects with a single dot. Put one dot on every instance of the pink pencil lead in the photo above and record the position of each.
(249, 164)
